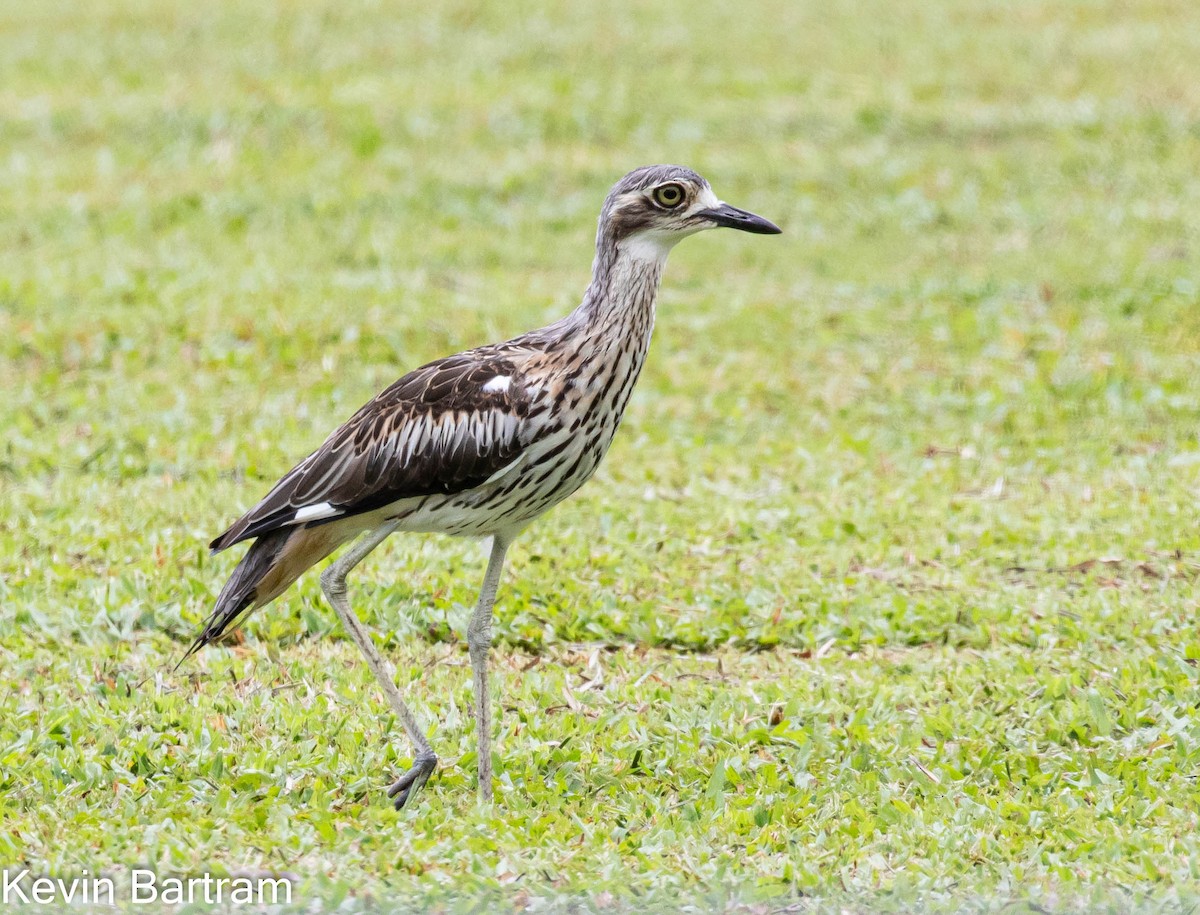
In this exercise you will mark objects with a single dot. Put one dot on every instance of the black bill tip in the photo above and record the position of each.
(733, 218)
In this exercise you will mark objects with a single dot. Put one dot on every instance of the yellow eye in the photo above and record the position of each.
(668, 195)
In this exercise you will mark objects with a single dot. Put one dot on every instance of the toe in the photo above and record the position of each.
(410, 782)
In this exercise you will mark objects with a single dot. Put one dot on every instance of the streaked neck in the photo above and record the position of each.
(625, 280)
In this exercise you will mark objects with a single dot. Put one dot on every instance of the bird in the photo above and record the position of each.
(476, 444)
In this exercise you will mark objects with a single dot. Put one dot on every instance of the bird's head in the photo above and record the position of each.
(654, 207)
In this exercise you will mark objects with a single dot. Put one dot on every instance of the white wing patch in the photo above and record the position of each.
(315, 512)
(499, 383)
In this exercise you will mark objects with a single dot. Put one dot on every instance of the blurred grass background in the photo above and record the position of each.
(920, 474)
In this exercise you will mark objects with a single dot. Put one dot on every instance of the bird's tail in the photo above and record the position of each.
(242, 592)
(275, 560)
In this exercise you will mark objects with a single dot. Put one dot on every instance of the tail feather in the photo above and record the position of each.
(275, 560)
(241, 592)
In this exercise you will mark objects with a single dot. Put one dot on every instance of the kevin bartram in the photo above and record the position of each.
(143, 887)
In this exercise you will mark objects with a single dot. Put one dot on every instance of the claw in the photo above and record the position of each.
(413, 780)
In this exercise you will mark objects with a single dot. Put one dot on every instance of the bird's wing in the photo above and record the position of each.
(444, 428)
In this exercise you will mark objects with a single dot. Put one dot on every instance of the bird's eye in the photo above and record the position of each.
(668, 195)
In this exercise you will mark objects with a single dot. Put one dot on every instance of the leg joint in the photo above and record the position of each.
(332, 581)
(479, 638)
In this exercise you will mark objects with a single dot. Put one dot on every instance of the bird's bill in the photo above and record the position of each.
(733, 218)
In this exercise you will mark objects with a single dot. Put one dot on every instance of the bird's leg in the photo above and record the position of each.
(479, 641)
(333, 582)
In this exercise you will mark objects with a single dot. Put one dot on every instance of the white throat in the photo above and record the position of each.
(649, 247)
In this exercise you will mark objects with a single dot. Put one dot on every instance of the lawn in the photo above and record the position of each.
(886, 595)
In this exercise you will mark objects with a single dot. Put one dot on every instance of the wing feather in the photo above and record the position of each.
(435, 431)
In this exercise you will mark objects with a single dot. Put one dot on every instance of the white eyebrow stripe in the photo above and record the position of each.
(499, 383)
(315, 512)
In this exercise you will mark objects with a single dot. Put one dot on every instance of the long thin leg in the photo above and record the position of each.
(333, 582)
(479, 641)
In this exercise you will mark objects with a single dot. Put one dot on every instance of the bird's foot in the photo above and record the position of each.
(413, 780)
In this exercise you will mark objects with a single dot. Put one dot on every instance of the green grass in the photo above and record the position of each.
(886, 594)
